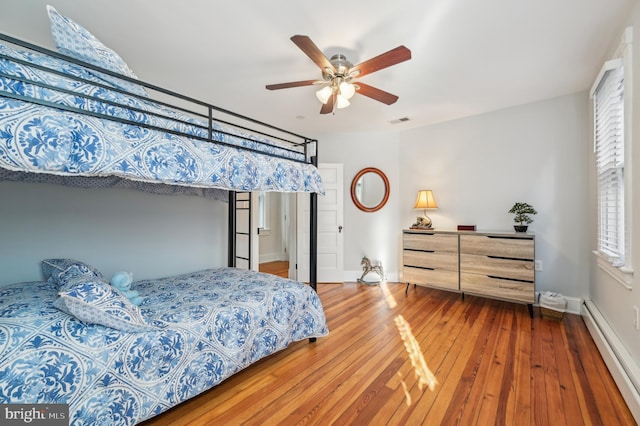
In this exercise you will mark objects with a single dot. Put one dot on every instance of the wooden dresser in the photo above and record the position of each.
(499, 265)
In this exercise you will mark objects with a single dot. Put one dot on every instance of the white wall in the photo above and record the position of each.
(478, 167)
(112, 229)
(376, 235)
(614, 301)
(272, 244)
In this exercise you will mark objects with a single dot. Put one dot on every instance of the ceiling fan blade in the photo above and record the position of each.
(328, 107)
(377, 94)
(311, 50)
(387, 59)
(292, 84)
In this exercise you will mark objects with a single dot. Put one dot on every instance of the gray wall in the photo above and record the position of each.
(112, 229)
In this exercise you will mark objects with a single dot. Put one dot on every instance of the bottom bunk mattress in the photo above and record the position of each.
(200, 329)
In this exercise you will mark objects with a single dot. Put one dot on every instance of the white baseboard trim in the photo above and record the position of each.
(352, 276)
(623, 368)
(272, 257)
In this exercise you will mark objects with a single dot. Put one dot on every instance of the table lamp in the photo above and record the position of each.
(424, 201)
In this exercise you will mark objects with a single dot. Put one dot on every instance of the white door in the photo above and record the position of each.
(330, 232)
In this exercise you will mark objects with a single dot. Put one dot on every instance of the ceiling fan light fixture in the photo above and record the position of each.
(338, 74)
(342, 102)
(324, 94)
(347, 90)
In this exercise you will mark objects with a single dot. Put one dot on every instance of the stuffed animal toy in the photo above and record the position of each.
(122, 281)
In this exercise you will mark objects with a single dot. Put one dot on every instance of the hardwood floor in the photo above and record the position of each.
(426, 358)
(278, 267)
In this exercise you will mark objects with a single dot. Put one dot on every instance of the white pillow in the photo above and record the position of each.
(73, 40)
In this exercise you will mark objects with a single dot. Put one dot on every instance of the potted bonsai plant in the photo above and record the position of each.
(522, 218)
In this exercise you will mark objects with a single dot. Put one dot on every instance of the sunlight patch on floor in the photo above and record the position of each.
(423, 374)
(391, 301)
(425, 377)
(407, 395)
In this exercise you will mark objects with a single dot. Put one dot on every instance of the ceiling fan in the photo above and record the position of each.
(338, 74)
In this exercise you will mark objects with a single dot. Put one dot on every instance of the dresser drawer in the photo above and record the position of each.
(496, 287)
(430, 242)
(498, 267)
(434, 260)
(510, 247)
(431, 277)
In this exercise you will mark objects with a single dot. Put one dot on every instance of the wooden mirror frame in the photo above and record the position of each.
(354, 183)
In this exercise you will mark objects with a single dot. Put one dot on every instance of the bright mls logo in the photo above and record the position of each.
(35, 414)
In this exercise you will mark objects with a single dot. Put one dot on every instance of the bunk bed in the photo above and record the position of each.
(72, 338)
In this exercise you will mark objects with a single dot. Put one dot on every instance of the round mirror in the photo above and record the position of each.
(370, 189)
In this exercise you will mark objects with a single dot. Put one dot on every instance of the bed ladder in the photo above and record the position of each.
(240, 226)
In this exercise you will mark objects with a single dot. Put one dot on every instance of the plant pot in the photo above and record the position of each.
(520, 228)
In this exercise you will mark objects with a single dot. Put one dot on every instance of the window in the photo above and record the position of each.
(608, 106)
(611, 94)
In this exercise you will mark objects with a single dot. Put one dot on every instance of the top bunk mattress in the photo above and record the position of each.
(59, 118)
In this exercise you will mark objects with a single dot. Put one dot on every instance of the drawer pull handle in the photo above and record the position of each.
(509, 279)
(509, 258)
(420, 267)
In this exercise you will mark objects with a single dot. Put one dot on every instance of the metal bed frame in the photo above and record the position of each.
(193, 107)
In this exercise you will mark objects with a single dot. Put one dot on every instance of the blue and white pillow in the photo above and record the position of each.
(97, 302)
(74, 40)
(60, 271)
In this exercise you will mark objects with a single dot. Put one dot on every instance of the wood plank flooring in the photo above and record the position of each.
(277, 267)
(425, 358)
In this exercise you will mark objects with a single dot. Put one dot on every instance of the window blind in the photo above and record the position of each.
(608, 98)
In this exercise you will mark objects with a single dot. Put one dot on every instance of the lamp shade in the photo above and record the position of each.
(425, 200)
(324, 94)
(347, 90)
(342, 102)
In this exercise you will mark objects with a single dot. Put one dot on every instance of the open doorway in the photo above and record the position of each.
(274, 230)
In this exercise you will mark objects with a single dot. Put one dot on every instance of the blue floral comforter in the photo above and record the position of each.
(212, 324)
(44, 138)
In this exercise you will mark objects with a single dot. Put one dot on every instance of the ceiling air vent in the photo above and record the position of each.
(399, 120)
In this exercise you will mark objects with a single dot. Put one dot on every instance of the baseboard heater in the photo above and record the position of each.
(620, 363)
